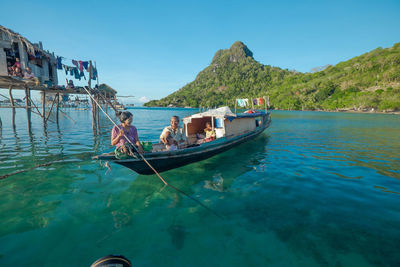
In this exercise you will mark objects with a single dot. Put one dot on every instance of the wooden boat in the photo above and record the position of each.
(231, 129)
(119, 106)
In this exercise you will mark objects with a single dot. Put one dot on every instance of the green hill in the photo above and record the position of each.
(369, 81)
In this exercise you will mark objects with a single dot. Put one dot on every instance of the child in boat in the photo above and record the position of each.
(125, 129)
(171, 144)
(210, 133)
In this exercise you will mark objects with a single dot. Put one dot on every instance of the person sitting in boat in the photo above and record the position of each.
(210, 133)
(173, 134)
(171, 144)
(125, 128)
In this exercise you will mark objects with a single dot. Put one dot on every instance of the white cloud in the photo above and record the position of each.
(143, 99)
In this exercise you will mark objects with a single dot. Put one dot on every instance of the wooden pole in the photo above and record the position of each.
(11, 96)
(265, 104)
(94, 120)
(44, 106)
(97, 78)
(51, 108)
(110, 104)
(252, 104)
(235, 105)
(13, 119)
(28, 107)
(33, 103)
(97, 113)
(13, 107)
(58, 106)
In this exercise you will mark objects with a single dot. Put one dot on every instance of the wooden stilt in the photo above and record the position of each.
(94, 108)
(51, 108)
(97, 114)
(58, 106)
(93, 115)
(34, 105)
(13, 108)
(28, 107)
(44, 106)
(11, 96)
(109, 103)
(13, 119)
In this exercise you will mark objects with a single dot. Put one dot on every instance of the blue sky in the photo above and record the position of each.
(150, 49)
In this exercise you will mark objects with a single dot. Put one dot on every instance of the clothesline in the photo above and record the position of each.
(243, 102)
(77, 71)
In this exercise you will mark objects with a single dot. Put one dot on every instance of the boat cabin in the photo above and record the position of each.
(223, 122)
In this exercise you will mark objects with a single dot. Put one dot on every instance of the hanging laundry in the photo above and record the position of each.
(268, 101)
(246, 101)
(94, 77)
(260, 101)
(77, 74)
(81, 74)
(80, 66)
(75, 63)
(85, 64)
(59, 64)
(241, 102)
(255, 101)
(65, 68)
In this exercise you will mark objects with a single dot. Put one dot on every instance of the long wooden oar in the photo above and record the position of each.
(151, 167)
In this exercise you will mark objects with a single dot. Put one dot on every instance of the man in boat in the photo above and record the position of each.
(173, 134)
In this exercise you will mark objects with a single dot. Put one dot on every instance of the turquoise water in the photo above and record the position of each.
(316, 189)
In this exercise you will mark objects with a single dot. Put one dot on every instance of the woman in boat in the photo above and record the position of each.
(125, 128)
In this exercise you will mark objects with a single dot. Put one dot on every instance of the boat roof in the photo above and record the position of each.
(222, 112)
(218, 112)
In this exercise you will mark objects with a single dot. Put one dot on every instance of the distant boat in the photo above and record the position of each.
(120, 106)
(231, 130)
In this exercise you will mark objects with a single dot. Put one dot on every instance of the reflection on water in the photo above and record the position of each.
(315, 189)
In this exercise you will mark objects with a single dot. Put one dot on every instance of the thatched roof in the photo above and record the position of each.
(106, 88)
(15, 37)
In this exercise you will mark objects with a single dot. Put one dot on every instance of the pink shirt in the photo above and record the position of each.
(131, 134)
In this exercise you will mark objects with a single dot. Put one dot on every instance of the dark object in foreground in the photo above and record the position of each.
(111, 261)
(231, 130)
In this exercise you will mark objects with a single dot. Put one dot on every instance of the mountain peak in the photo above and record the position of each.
(240, 48)
(235, 53)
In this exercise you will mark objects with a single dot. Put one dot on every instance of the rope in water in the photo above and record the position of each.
(148, 164)
(29, 169)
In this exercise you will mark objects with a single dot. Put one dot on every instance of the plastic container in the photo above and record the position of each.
(147, 146)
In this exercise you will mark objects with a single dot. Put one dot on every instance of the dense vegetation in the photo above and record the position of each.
(369, 81)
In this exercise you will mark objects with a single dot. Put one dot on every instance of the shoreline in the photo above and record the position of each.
(316, 110)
